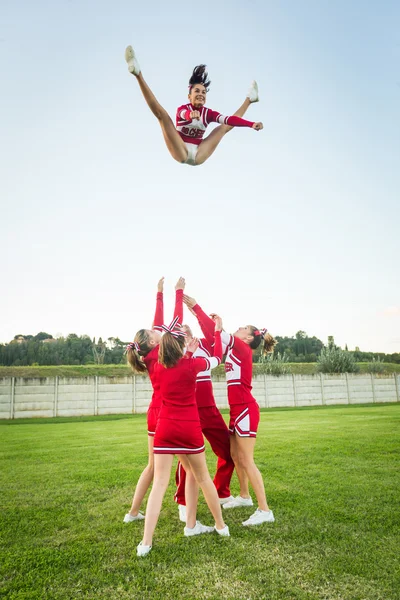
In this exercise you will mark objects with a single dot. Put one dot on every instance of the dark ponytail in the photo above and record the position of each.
(200, 75)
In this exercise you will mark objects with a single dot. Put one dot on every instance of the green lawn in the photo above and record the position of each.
(123, 370)
(332, 479)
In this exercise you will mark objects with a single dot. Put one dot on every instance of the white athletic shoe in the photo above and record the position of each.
(133, 65)
(129, 518)
(142, 550)
(238, 501)
(225, 500)
(182, 513)
(252, 94)
(260, 516)
(224, 532)
(198, 529)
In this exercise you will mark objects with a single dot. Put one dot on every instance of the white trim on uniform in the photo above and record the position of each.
(241, 414)
(178, 450)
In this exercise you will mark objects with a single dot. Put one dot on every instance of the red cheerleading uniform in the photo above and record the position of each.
(193, 130)
(244, 410)
(178, 429)
(212, 423)
(151, 359)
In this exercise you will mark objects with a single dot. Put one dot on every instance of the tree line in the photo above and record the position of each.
(43, 349)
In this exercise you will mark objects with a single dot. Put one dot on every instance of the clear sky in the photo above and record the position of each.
(294, 227)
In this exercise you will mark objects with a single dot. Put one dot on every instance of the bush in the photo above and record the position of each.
(275, 364)
(376, 366)
(336, 360)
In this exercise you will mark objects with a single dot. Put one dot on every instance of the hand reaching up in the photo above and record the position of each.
(160, 285)
(218, 323)
(190, 302)
(180, 284)
(193, 345)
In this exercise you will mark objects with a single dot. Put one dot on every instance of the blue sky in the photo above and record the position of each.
(294, 227)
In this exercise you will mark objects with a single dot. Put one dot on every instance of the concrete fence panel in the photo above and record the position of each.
(33, 397)
(335, 389)
(385, 389)
(76, 397)
(6, 394)
(360, 389)
(115, 395)
(281, 391)
(308, 390)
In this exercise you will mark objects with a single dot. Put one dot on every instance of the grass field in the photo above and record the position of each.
(123, 370)
(332, 478)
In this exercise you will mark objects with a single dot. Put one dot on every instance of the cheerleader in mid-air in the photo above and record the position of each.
(185, 141)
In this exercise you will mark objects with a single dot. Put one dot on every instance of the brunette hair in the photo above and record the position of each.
(199, 75)
(134, 356)
(171, 349)
(269, 341)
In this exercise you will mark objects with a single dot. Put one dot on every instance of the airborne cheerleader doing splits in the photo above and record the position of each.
(185, 141)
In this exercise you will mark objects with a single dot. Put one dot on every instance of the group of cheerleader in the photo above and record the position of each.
(183, 410)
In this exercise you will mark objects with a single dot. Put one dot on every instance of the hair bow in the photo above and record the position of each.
(172, 329)
(133, 346)
(261, 332)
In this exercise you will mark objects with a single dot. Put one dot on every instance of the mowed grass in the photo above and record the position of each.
(332, 479)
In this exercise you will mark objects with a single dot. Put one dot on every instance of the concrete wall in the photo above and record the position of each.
(66, 397)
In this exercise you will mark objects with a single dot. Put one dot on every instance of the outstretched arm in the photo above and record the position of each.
(179, 287)
(207, 325)
(212, 116)
(159, 314)
(226, 338)
(204, 364)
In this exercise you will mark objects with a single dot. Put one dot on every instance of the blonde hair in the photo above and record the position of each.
(269, 341)
(135, 357)
(171, 350)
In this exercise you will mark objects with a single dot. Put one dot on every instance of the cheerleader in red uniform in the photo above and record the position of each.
(212, 423)
(142, 355)
(178, 430)
(185, 140)
(245, 413)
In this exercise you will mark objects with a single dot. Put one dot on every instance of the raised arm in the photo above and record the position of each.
(212, 116)
(206, 323)
(226, 338)
(159, 314)
(179, 287)
(204, 364)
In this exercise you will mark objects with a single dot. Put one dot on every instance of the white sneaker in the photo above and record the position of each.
(198, 529)
(225, 500)
(182, 513)
(238, 501)
(129, 518)
(252, 94)
(142, 550)
(133, 65)
(224, 532)
(260, 516)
